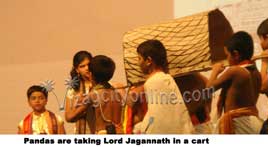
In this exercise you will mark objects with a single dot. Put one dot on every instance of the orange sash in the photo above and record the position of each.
(129, 113)
(27, 123)
(226, 122)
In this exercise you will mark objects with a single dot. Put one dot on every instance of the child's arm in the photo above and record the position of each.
(74, 111)
(208, 99)
(20, 131)
(61, 129)
(264, 67)
(219, 82)
(220, 103)
(69, 105)
(264, 88)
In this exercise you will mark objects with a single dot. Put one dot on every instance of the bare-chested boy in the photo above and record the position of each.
(263, 36)
(105, 100)
(240, 85)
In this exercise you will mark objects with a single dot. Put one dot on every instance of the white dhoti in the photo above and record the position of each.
(204, 128)
(240, 121)
(247, 125)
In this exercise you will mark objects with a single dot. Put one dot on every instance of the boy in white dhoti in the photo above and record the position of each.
(263, 35)
(240, 86)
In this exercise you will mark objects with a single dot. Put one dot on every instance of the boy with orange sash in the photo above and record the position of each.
(40, 121)
(240, 86)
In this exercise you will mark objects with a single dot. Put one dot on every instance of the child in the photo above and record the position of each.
(167, 113)
(103, 98)
(263, 35)
(40, 121)
(240, 85)
(84, 124)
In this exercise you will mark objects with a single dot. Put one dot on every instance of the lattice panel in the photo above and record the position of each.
(186, 41)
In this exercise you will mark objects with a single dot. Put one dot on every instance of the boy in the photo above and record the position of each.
(40, 121)
(263, 35)
(240, 85)
(104, 99)
(167, 113)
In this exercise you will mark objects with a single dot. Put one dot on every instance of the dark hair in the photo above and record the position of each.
(36, 88)
(263, 28)
(156, 50)
(102, 68)
(77, 59)
(241, 42)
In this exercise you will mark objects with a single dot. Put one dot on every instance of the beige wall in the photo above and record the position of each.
(39, 38)
(188, 7)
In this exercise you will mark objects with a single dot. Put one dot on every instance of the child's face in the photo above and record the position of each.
(143, 64)
(37, 101)
(264, 42)
(83, 69)
(231, 59)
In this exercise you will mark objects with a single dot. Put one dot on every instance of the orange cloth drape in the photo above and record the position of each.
(226, 122)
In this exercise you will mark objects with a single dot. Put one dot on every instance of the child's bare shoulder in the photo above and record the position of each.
(238, 70)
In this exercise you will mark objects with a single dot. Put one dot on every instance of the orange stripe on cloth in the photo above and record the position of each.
(140, 109)
(226, 122)
(27, 124)
(128, 120)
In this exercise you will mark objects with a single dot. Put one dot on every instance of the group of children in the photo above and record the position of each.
(162, 104)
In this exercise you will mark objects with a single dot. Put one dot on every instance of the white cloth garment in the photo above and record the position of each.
(204, 128)
(166, 109)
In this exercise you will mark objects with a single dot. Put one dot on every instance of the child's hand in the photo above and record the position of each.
(218, 68)
(80, 97)
(265, 54)
(83, 98)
